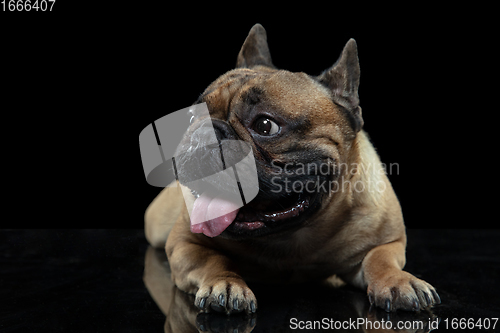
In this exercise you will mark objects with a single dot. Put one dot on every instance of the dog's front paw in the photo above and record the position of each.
(228, 295)
(401, 290)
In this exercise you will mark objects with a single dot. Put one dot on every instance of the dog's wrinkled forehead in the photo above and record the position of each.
(222, 91)
(290, 94)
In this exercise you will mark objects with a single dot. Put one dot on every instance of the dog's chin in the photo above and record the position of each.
(264, 216)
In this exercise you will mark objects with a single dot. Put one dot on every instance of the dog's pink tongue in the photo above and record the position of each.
(211, 216)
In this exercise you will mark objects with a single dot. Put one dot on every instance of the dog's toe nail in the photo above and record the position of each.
(387, 305)
(416, 305)
(253, 308)
(202, 302)
(235, 304)
(222, 300)
(437, 299)
(370, 298)
(427, 299)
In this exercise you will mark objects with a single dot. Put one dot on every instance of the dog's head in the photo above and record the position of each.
(298, 127)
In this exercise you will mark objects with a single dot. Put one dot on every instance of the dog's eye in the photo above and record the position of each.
(265, 126)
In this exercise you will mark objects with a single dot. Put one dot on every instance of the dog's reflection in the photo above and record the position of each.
(289, 308)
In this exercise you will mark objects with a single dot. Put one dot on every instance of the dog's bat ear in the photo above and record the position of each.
(343, 81)
(255, 50)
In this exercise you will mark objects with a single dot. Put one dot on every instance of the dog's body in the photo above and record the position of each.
(355, 231)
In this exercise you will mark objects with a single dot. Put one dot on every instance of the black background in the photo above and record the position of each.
(81, 82)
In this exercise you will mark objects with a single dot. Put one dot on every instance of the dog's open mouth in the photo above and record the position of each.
(272, 211)
(214, 215)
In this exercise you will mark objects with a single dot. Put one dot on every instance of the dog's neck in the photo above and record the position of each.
(367, 176)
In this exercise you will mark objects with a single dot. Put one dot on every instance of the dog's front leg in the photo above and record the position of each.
(388, 286)
(208, 274)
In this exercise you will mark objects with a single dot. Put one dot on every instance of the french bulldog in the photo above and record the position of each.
(325, 208)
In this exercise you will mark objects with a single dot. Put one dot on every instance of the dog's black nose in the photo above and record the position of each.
(214, 147)
(223, 131)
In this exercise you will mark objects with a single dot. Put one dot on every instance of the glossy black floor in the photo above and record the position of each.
(110, 281)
